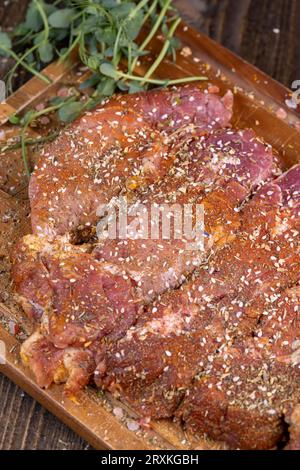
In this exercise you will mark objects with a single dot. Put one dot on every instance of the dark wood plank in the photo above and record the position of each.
(264, 32)
(27, 425)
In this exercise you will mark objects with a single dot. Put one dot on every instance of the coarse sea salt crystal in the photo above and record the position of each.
(118, 412)
(133, 425)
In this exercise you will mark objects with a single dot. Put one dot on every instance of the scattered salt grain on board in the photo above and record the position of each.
(291, 104)
(63, 92)
(186, 51)
(297, 125)
(44, 120)
(118, 412)
(133, 425)
(281, 113)
(40, 107)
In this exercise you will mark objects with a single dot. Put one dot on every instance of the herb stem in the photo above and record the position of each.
(66, 54)
(129, 58)
(163, 51)
(26, 66)
(39, 140)
(138, 7)
(24, 150)
(153, 31)
(44, 18)
(150, 11)
(156, 81)
(116, 47)
(136, 78)
(177, 81)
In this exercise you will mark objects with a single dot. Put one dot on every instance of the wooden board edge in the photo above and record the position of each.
(264, 85)
(32, 89)
(83, 415)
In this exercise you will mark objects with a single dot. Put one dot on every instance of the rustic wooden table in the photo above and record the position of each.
(264, 32)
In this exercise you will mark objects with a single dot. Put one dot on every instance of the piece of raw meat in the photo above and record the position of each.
(171, 109)
(99, 154)
(248, 391)
(226, 162)
(154, 364)
(218, 173)
(76, 301)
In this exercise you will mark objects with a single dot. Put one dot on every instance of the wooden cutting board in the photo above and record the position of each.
(260, 103)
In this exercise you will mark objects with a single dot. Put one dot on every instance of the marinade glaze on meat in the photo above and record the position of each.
(211, 336)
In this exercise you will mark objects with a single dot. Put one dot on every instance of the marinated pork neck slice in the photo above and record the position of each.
(92, 160)
(248, 393)
(36, 256)
(266, 252)
(154, 364)
(79, 300)
(72, 366)
(76, 301)
(171, 109)
(88, 164)
(253, 410)
(216, 171)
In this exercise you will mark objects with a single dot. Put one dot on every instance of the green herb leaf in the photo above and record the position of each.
(69, 111)
(49, 9)
(39, 38)
(33, 19)
(135, 87)
(29, 59)
(106, 35)
(58, 35)
(21, 30)
(93, 62)
(92, 10)
(109, 3)
(5, 41)
(122, 10)
(107, 87)
(57, 100)
(27, 118)
(90, 82)
(123, 86)
(109, 70)
(61, 18)
(175, 43)
(14, 119)
(46, 52)
(132, 26)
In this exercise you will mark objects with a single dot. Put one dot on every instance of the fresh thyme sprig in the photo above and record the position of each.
(106, 34)
(16, 144)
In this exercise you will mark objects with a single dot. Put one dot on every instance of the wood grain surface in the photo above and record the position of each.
(264, 32)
